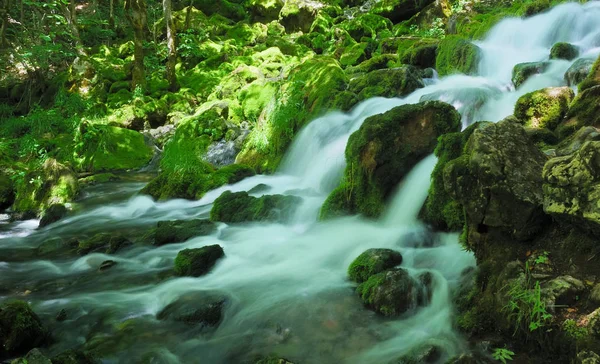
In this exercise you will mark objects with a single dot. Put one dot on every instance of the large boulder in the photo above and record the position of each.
(571, 183)
(263, 10)
(179, 231)
(394, 82)
(578, 71)
(498, 180)
(523, 71)
(399, 10)
(544, 108)
(392, 293)
(457, 55)
(195, 308)
(20, 329)
(563, 50)
(52, 214)
(235, 207)
(371, 262)
(197, 262)
(383, 150)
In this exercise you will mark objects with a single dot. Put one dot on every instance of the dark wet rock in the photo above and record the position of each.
(563, 290)
(55, 247)
(197, 262)
(53, 214)
(385, 148)
(7, 190)
(391, 293)
(574, 143)
(34, 356)
(178, 231)
(578, 71)
(20, 329)
(74, 357)
(107, 264)
(524, 71)
(583, 111)
(195, 308)
(259, 188)
(427, 353)
(563, 50)
(62, 315)
(498, 180)
(106, 243)
(235, 207)
(371, 262)
(273, 360)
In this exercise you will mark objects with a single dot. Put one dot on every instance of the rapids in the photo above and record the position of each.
(287, 285)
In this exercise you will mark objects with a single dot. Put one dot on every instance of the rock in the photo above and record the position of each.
(422, 55)
(426, 353)
(53, 214)
(107, 264)
(179, 231)
(7, 190)
(583, 111)
(383, 150)
(564, 50)
(578, 71)
(544, 108)
(394, 82)
(570, 185)
(457, 55)
(573, 143)
(498, 181)
(587, 357)
(33, 357)
(563, 290)
(522, 71)
(398, 10)
(365, 26)
(106, 243)
(232, 207)
(595, 294)
(62, 315)
(195, 308)
(593, 78)
(371, 262)
(20, 329)
(298, 15)
(593, 323)
(353, 55)
(55, 247)
(74, 357)
(264, 11)
(197, 262)
(391, 293)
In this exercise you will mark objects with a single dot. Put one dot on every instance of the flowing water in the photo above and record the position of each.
(286, 285)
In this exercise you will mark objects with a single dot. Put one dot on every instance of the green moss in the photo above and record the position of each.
(421, 54)
(353, 55)
(378, 62)
(366, 290)
(240, 207)
(544, 108)
(107, 148)
(398, 10)
(20, 328)
(395, 82)
(254, 98)
(371, 262)
(563, 50)
(593, 78)
(197, 262)
(457, 55)
(105, 243)
(522, 71)
(366, 26)
(584, 110)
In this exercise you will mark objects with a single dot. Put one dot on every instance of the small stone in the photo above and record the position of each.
(197, 262)
(106, 265)
(62, 315)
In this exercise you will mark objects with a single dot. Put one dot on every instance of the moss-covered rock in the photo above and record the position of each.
(394, 82)
(398, 10)
(498, 181)
(107, 243)
(108, 148)
(564, 50)
(235, 207)
(378, 62)
(20, 329)
(74, 357)
(522, 71)
(457, 55)
(383, 150)
(34, 356)
(53, 183)
(264, 10)
(309, 90)
(179, 231)
(298, 15)
(421, 54)
(195, 308)
(371, 262)
(52, 214)
(593, 78)
(353, 55)
(583, 111)
(544, 108)
(365, 26)
(197, 262)
(578, 71)
(570, 185)
(391, 293)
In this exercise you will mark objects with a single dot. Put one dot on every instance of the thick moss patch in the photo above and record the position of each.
(197, 262)
(235, 207)
(544, 108)
(457, 55)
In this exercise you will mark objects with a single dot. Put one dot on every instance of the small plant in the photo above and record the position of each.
(542, 258)
(502, 355)
(574, 331)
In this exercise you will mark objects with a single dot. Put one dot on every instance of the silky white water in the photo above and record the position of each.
(286, 283)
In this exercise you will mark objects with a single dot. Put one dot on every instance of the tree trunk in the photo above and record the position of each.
(172, 59)
(111, 14)
(188, 15)
(71, 16)
(4, 16)
(135, 11)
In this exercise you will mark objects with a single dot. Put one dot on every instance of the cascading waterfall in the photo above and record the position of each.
(286, 283)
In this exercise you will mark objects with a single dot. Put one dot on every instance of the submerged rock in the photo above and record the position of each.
(106, 243)
(563, 50)
(53, 214)
(371, 262)
(178, 231)
(426, 353)
(523, 71)
(234, 207)
(544, 108)
(383, 150)
(195, 308)
(391, 293)
(197, 262)
(20, 329)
